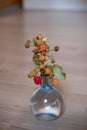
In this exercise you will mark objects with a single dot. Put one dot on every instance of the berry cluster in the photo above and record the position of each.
(40, 59)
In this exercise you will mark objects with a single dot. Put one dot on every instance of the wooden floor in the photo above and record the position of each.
(69, 31)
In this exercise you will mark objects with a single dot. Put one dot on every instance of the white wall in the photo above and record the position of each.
(56, 4)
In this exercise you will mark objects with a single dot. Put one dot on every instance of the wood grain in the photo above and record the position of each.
(69, 31)
(16, 128)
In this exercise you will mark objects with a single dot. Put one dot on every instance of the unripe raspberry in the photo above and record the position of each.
(41, 58)
(35, 58)
(47, 71)
(36, 43)
(27, 45)
(56, 48)
(55, 82)
(32, 73)
(46, 58)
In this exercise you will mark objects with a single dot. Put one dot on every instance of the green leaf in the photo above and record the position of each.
(58, 66)
(51, 68)
(58, 72)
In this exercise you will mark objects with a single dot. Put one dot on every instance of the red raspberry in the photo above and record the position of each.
(37, 79)
(42, 47)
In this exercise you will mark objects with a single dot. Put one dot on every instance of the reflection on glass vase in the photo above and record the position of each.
(46, 102)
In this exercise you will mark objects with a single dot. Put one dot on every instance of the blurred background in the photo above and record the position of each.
(46, 4)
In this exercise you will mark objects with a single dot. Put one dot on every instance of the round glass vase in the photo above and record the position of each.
(46, 102)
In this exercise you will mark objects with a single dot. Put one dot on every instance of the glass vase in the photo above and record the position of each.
(46, 102)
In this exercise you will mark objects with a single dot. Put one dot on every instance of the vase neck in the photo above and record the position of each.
(46, 82)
